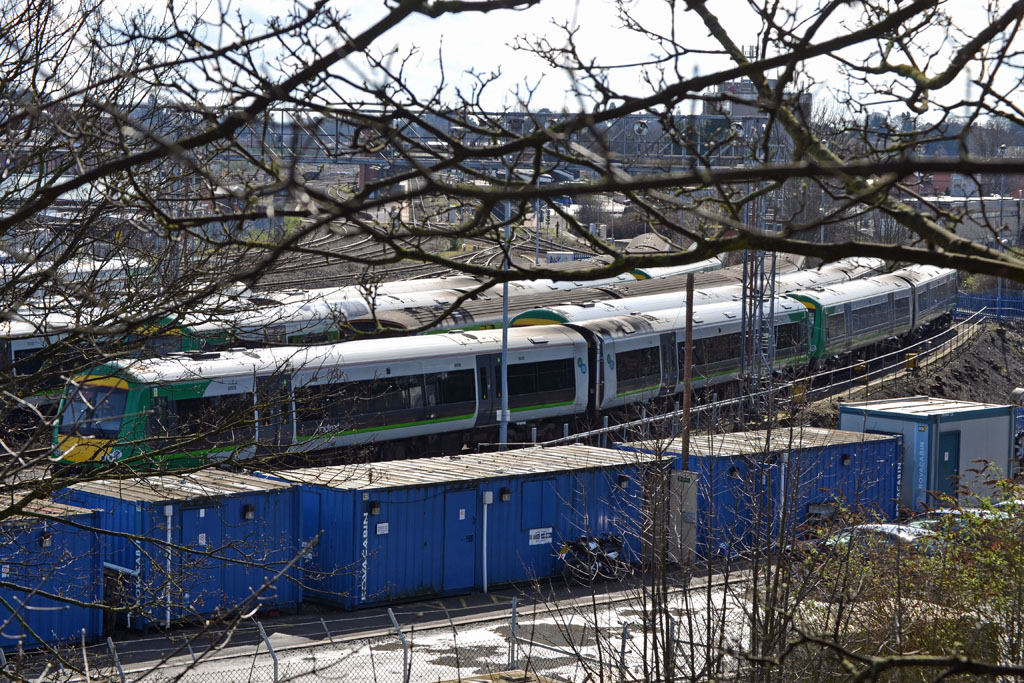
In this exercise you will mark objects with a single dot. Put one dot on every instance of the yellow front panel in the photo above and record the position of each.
(83, 449)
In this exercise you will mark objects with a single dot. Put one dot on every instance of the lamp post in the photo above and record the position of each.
(999, 231)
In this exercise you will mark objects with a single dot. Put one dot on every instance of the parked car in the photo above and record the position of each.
(861, 562)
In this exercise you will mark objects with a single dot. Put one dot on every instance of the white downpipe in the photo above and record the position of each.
(168, 513)
(488, 498)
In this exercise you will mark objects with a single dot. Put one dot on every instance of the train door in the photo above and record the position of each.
(273, 404)
(488, 389)
(669, 363)
(595, 382)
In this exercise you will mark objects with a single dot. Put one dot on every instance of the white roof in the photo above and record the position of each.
(763, 441)
(920, 405)
(466, 467)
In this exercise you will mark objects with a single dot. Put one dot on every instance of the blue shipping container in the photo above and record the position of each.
(751, 485)
(52, 562)
(198, 545)
(397, 530)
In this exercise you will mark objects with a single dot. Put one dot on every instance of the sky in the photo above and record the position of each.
(483, 43)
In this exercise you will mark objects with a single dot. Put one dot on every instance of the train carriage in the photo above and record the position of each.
(190, 408)
(840, 271)
(935, 291)
(639, 357)
(856, 314)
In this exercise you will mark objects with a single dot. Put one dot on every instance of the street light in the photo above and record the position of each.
(999, 232)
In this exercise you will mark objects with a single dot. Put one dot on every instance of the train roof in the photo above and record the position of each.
(675, 318)
(239, 363)
(844, 292)
(474, 312)
(920, 274)
(704, 295)
(651, 272)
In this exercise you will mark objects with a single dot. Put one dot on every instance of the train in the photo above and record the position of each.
(439, 393)
(238, 317)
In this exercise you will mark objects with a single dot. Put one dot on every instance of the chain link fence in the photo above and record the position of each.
(453, 654)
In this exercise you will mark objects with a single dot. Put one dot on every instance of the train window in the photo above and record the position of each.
(212, 421)
(790, 336)
(901, 308)
(638, 369)
(311, 338)
(719, 349)
(444, 388)
(836, 325)
(549, 381)
(333, 408)
(871, 317)
(28, 361)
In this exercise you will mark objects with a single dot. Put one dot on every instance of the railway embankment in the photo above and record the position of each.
(986, 371)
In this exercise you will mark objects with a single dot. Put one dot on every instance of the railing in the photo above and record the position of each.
(852, 378)
(993, 307)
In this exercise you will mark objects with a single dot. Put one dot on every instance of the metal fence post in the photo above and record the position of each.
(85, 657)
(327, 630)
(513, 644)
(565, 430)
(405, 647)
(604, 434)
(622, 653)
(117, 662)
(270, 648)
(533, 435)
(671, 663)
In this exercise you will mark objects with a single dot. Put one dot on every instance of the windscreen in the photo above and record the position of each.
(94, 411)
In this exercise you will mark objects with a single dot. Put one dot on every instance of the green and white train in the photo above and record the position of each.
(415, 395)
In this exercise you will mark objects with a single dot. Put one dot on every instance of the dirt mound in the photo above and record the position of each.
(986, 372)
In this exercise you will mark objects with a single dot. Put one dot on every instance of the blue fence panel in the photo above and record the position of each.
(994, 307)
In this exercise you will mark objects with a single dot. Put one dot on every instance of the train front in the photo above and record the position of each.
(99, 420)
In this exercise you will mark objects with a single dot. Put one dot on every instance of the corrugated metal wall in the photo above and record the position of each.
(67, 564)
(247, 553)
(387, 544)
(743, 499)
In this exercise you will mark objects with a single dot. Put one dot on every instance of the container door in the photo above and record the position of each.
(947, 467)
(488, 369)
(459, 540)
(201, 576)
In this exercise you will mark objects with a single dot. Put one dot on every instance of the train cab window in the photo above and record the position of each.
(638, 369)
(836, 325)
(93, 410)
